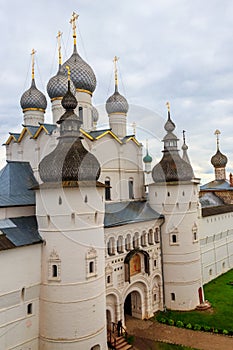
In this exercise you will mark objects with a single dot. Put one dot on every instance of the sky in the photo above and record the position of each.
(169, 50)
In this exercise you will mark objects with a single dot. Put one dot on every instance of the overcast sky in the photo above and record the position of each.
(170, 50)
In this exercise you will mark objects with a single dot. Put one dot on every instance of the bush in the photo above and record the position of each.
(225, 332)
(162, 320)
(207, 328)
(215, 330)
(171, 322)
(188, 326)
(197, 327)
(179, 324)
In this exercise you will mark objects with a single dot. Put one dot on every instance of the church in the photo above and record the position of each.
(89, 231)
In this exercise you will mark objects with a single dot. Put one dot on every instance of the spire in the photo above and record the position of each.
(184, 149)
(115, 72)
(73, 19)
(171, 168)
(217, 133)
(147, 158)
(59, 34)
(33, 63)
(219, 160)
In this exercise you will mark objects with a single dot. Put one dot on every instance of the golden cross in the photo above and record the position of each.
(33, 63)
(115, 59)
(73, 23)
(59, 34)
(217, 133)
(168, 106)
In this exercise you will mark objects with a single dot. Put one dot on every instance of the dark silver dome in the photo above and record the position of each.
(57, 85)
(33, 98)
(219, 160)
(171, 167)
(82, 74)
(69, 161)
(117, 104)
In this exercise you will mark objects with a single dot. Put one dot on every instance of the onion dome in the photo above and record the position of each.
(171, 167)
(147, 158)
(57, 85)
(69, 161)
(82, 74)
(95, 114)
(33, 98)
(117, 104)
(218, 160)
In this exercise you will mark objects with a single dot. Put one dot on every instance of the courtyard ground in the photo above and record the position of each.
(146, 332)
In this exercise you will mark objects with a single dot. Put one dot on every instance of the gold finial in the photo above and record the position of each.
(73, 19)
(33, 63)
(217, 133)
(115, 70)
(134, 128)
(59, 34)
(168, 106)
(68, 72)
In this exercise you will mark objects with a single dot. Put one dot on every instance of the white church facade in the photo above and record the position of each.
(81, 242)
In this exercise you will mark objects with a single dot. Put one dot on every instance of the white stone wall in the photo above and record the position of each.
(216, 243)
(148, 287)
(20, 276)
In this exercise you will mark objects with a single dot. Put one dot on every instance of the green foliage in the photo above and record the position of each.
(215, 330)
(225, 331)
(207, 328)
(130, 339)
(188, 326)
(179, 324)
(219, 292)
(171, 322)
(197, 327)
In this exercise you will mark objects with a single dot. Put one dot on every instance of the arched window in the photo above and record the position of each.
(120, 248)
(131, 192)
(143, 239)
(107, 189)
(156, 235)
(128, 242)
(80, 110)
(111, 246)
(174, 238)
(150, 237)
(136, 240)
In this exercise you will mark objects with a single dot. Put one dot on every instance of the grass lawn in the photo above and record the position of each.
(220, 294)
(166, 346)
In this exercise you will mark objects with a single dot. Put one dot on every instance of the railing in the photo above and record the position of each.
(113, 333)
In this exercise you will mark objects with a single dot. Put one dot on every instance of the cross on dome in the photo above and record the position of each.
(73, 20)
(33, 63)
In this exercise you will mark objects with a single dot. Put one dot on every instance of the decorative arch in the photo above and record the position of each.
(136, 297)
(130, 256)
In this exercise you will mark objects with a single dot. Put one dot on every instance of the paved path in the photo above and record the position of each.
(156, 331)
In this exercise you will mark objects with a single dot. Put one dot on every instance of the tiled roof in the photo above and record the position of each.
(221, 209)
(16, 179)
(122, 213)
(217, 185)
(17, 232)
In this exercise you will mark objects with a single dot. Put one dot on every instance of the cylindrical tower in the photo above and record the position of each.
(117, 108)
(70, 214)
(174, 193)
